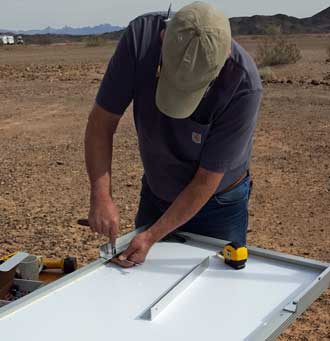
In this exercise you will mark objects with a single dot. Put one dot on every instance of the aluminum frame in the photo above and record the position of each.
(173, 292)
(13, 261)
(280, 321)
(271, 328)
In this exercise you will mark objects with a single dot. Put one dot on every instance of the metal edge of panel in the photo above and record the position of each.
(276, 332)
(121, 243)
(126, 238)
(173, 292)
(13, 261)
(47, 289)
(284, 257)
(13, 307)
(297, 260)
(273, 327)
(270, 330)
(300, 304)
(312, 292)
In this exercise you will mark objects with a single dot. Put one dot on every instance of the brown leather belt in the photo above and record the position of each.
(230, 187)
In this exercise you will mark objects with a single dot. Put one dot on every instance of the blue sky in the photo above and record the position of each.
(31, 14)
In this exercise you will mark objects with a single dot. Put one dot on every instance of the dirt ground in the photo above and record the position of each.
(45, 96)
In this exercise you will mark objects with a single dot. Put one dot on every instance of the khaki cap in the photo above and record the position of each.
(196, 45)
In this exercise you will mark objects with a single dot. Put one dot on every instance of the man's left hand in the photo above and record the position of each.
(136, 252)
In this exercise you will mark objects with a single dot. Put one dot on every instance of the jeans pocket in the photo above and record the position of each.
(239, 193)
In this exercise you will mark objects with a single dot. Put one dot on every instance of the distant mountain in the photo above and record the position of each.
(67, 30)
(257, 24)
(260, 24)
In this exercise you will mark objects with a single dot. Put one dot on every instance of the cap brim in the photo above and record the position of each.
(177, 103)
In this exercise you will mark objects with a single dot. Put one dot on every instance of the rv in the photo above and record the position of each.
(7, 40)
(10, 40)
(3, 40)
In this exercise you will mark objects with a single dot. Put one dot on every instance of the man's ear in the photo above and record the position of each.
(162, 35)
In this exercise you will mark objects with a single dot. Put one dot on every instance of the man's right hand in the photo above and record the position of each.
(103, 218)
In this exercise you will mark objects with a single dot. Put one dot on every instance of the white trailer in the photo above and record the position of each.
(3, 40)
(7, 40)
(10, 40)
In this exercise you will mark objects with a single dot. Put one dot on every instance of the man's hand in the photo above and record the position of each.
(103, 218)
(137, 250)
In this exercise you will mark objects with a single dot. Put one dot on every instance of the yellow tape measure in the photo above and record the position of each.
(235, 255)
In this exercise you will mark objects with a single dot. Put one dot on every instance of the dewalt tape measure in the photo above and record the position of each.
(234, 255)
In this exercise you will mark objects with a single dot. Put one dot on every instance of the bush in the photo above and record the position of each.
(277, 51)
(95, 41)
(273, 30)
(43, 39)
(267, 74)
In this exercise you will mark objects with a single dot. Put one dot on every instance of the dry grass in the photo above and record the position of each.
(95, 41)
(267, 74)
(277, 51)
(43, 39)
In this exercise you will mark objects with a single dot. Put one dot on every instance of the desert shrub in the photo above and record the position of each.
(273, 29)
(267, 74)
(43, 39)
(94, 41)
(277, 51)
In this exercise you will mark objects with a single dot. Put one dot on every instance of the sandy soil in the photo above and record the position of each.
(46, 93)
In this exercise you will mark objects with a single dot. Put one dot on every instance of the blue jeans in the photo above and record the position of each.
(224, 216)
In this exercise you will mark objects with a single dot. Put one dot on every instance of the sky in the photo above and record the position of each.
(36, 14)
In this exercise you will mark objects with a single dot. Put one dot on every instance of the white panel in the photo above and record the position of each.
(106, 304)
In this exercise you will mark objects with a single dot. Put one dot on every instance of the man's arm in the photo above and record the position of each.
(188, 203)
(186, 206)
(101, 127)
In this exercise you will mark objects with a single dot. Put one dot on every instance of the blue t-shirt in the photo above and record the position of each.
(218, 136)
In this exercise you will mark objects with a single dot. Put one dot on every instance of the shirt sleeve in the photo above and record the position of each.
(228, 145)
(117, 87)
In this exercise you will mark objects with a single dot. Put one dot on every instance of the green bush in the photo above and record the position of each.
(277, 51)
(267, 74)
(273, 30)
(95, 41)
